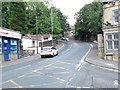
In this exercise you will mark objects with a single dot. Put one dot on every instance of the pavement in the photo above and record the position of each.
(94, 59)
(28, 58)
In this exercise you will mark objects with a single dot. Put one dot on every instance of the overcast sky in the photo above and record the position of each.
(70, 7)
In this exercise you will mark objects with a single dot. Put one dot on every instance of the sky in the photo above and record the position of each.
(70, 7)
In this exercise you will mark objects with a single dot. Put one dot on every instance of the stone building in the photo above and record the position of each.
(70, 33)
(109, 42)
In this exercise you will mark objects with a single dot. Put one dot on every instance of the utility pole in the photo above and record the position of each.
(52, 21)
(37, 34)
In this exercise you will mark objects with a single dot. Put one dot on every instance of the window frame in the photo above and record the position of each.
(113, 40)
(116, 16)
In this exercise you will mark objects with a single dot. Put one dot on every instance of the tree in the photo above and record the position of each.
(17, 16)
(21, 16)
(5, 14)
(89, 21)
(63, 21)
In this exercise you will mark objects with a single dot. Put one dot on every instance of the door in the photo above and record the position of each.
(6, 50)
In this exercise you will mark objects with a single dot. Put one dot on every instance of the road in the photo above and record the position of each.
(63, 71)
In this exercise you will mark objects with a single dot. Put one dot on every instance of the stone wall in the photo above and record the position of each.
(100, 46)
(112, 57)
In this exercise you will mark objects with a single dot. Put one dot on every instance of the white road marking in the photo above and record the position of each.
(71, 86)
(70, 79)
(110, 64)
(76, 86)
(74, 75)
(116, 82)
(67, 49)
(82, 87)
(61, 47)
(91, 45)
(68, 83)
(79, 66)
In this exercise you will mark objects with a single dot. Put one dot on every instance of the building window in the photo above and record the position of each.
(33, 42)
(109, 37)
(115, 44)
(13, 48)
(109, 45)
(115, 36)
(112, 41)
(39, 44)
(116, 14)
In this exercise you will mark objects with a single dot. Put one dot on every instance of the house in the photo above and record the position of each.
(9, 44)
(70, 33)
(111, 31)
(34, 43)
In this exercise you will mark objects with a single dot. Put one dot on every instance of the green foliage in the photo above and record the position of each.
(21, 16)
(17, 16)
(5, 14)
(89, 20)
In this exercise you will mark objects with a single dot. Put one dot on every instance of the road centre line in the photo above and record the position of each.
(67, 49)
(61, 47)
(82, 60)
(79, 66)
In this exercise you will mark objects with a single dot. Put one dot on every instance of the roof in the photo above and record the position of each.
(48, 47)
(9, 30)
(40, 36)
(107, 1)
(10, 33)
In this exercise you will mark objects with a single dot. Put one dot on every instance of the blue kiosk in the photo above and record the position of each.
(9, 44)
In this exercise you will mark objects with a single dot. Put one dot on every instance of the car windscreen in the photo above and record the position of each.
(46, 49)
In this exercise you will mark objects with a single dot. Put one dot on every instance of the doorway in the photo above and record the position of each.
(6, 50)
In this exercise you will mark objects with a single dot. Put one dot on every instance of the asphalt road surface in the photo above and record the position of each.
(63, 71)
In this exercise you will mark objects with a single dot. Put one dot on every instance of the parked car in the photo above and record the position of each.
(48, 51)
(64, 38)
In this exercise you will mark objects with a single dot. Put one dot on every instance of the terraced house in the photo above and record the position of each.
(111, 29)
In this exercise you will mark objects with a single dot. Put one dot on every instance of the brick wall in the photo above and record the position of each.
(13, 56)
(1, 57)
